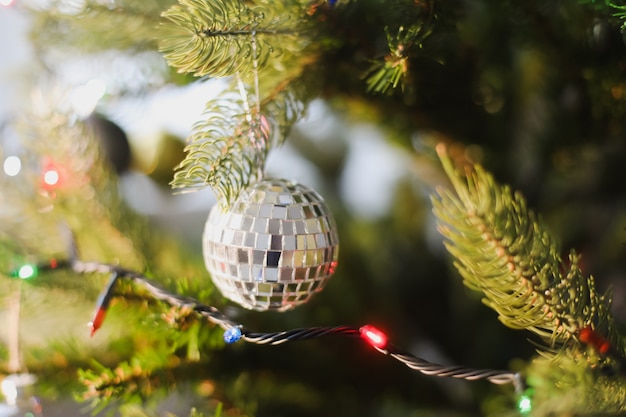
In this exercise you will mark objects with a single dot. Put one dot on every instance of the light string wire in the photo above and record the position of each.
(235, 331)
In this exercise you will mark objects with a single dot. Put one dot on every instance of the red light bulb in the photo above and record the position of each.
(51, 175)
(373, 336)
(590, 337)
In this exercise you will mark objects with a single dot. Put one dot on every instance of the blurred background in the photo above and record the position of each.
(535, 92)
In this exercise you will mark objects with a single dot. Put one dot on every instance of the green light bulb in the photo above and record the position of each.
(27, 271)
(524, 405)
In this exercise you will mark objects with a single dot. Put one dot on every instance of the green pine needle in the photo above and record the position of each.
(568, 384)
(258, 43)
(226, 151)
(228, 37)
(502, 249)
(393, 69)
(387, 74)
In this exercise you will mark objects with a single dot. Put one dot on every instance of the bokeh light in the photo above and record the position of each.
(9, 390)
(12, 165)
(51, 177)
(524, 404)
(27, 271)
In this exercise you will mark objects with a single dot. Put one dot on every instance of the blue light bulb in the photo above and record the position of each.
(232, 335)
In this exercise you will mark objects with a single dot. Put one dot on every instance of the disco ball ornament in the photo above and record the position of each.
(274, 248)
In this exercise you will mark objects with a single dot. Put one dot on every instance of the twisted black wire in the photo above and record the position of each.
(209, 312)
(276, 338)
(428, 368)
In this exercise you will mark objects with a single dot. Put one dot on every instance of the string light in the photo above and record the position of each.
(232, 335)
(103, 304)
(524, 405)
(51, 177)
(373, 336)
(234, 332)
(589, 336)
(27, 271)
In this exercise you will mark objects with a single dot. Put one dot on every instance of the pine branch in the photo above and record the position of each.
(87, 25)
(615, 8)
(286, 104)
(228, 149)
(252, 43)
(219, 39)
(405, 38)
(505, 251)
(568, 384)
(224, 151)
(394, 68)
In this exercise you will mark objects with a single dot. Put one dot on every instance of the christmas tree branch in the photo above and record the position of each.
(225, 38)
(228, 149)
(225, 151)
(405, 35)
(393, 69)
(504, 250)
(87, 25)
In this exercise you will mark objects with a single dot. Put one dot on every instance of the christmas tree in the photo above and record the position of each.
(462, 152)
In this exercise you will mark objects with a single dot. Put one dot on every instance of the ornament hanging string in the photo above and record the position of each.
(235, 331)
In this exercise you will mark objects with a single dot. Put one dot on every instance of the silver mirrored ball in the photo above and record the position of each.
(274, 248)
